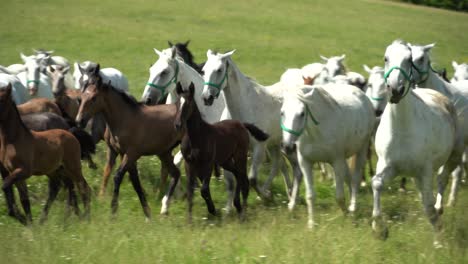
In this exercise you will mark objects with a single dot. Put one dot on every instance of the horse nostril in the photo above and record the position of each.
(148, 101)
(378, 113)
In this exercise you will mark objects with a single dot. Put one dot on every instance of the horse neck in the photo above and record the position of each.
(188, 75)
(403, 113)
(324, 108)
(117, 112)
(196, 127)
(12, 128)
(241, 92)
(435, 82)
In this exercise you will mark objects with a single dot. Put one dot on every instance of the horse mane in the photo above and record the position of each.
(129, 99)
(16, 112)
(182, 49)
(318, 88)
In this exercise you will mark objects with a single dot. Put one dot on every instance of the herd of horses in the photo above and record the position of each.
(51, 119)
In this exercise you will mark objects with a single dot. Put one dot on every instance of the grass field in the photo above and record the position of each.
(269, 36)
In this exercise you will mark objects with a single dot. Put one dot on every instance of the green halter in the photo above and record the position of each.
(377, 98)
(421, 72)
(407, 77)
(33, 81)
(299, 132)
(162, 88)
(219, 85)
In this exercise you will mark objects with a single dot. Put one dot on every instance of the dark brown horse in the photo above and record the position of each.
(55, 153)
(224, 143)
(134, 130)
(39, 105)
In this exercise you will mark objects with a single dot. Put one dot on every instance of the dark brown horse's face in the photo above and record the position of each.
(186, 106)
(5, 101)
(92, 101)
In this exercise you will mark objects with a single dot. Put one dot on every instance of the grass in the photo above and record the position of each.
(269, 36)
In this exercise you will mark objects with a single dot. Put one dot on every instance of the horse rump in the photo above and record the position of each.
(256, 132)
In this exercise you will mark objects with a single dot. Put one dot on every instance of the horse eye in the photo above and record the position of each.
(302, 114)
(386, 59)
(282, 113)
(218, 71)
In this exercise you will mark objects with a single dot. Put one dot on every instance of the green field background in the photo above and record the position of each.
(269, 36)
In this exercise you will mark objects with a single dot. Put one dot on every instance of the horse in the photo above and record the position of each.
(37, 83)
(328, 123)
(123, 114)
(334, 66)
(460, 72)
(82, 71)
(66, 99)
(418, 133)
(55, 153)
(19, 92)
(184, 53)
(425, 76)
(204, 145)
(39, 105)
(249, 102)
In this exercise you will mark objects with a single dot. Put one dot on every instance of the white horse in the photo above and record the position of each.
(425, 76)
(306, 75)
(248, 101)
(46, 59)
(418, 133)
(328, 123)
(376, 89)
(334, 67)
(19, 92)
(461, 72)
(37, 83)
(82, 70)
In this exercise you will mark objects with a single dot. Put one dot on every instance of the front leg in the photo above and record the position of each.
(384, 173)
(306, 169)
(17, 175)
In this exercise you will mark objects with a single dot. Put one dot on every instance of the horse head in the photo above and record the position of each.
(215, 75)
(57, 74)
(185, 106)
(33, 71)
(398, 70)
(376, 89)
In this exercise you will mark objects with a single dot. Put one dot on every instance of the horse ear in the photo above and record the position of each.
(192, 89)
(227, 54)
(454, 64)
(342, 57)
(366, 68)
(170, 44)
(97, 69)
(179, 88)
(24, 57)
(186, 43)
(173, 52)
(209, 53)
(428, 47)
(50, 68)
(159, 53)
(66, 69)
(78, 65)
(323, 58)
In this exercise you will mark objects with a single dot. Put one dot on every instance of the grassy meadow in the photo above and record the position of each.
(270, 36)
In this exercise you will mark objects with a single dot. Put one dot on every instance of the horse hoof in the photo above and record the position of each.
(310, 225)
(437, 244)
(363, 184)
(402, 190)
(291, 206)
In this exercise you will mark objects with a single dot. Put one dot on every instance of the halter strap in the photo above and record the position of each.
(299, 132)
(407, 77)
(32, 81)
(162, 88)
(377, 98)
(219, 85)
(424, 72)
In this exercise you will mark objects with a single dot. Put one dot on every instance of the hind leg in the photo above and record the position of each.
(72, 200)
(24, 198)
(17, 175)
(72, 171)
(257, 159)
(54, 187)
(205, 177)
(275, 156)
(133, 172)
(111, 157)
(356, 175)
(175, 175)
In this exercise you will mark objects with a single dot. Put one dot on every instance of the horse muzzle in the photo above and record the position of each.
(397, 94)
(208, 100)
(33, 91)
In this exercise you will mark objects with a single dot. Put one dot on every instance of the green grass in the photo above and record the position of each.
(269, 36)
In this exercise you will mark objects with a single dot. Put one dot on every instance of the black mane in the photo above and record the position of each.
(129, 99)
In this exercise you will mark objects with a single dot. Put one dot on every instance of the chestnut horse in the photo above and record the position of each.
(55, 153)
(224, 143)
(134, 130)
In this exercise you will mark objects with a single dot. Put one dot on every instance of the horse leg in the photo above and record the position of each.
(163, 180)
(457, 175)
(8, 180)
(369, 163)
(175, 175)
(54, 187)
(191, 173)
(133, 172)
(357, 174)
(306, 169)
(275, 155)
(111, 156)
(454, 165)
(229, 180)
(383, 174)
(285, 172)
(257, 158)
(297, 173)
(205, 177)
(341, 173)
(72, 171)
(24, 198)
(72, 200)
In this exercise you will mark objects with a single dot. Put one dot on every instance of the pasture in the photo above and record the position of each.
(269, 36)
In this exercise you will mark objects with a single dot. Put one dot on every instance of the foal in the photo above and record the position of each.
(55, 153)
(39, 105)
(224, 143)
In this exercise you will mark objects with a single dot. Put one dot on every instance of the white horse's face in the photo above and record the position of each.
(461, 72)
(377, 91)
(215, 74)
(421, 61)
(163, 77)
(398, 69)
(32, 73)
(293, 121)
(334, 65)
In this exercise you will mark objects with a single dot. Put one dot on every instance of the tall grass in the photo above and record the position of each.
(269, 36)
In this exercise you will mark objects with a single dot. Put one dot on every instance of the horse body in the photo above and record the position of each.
(328, 124)
(460, 72)
(334, 67)
(19, 92)
(250, 102)
(122, 113)
(39, 105)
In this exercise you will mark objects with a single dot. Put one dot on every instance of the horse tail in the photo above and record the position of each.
(88, 147)
(256, 132)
